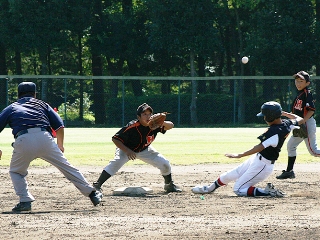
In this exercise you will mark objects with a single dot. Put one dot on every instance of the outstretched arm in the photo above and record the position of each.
(255, 149)
(300, 120)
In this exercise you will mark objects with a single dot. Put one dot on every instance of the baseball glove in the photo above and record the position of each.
(301, 132)
(157, 120)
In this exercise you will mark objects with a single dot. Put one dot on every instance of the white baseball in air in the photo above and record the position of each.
(245, 60)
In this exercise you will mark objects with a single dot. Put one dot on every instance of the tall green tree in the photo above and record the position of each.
(96, 44)
(281, 41)
(183, 28)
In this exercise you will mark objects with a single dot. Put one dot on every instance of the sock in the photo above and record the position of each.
(167, 179)
(104, 176)
(216, 184)
(291, 161)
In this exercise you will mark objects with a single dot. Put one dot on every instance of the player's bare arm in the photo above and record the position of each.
(60, 138)
(255, 149)
(131, 154)
(168, 125)
(300, 120)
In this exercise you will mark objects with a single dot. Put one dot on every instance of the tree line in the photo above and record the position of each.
(160, 38)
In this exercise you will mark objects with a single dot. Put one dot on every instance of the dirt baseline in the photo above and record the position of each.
(61, 212)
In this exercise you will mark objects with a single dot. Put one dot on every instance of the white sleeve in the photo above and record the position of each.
(272, 141)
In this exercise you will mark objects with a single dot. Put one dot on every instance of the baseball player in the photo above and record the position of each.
(303, 106)
(134, 141)
(260, 165)
(31, 121)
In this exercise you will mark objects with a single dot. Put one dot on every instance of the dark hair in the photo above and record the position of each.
(143, 107)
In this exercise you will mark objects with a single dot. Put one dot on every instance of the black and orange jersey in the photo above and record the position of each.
(303, 103)
(136, 136)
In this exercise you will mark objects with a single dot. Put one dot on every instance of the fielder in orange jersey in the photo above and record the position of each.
(303, 106)
(134, 141)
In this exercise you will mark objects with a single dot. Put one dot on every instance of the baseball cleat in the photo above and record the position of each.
(97, 186)
(95, 197)
(273, 192)
(22, 206)
(285, 174)
(201, 190)
(171, 187)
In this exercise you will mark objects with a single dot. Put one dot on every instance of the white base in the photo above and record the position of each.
(132, 191)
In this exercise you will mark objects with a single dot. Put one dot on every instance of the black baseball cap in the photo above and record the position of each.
(26, 87)
(143, 107)
(303, 75)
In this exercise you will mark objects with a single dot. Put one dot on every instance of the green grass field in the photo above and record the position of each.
(93, 146)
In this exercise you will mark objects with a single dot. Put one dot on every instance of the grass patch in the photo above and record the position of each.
(182, 146)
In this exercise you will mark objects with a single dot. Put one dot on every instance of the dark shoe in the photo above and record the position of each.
(285, 175)
(22, 206)
(171, 187)
(97, 186)
(95, 197)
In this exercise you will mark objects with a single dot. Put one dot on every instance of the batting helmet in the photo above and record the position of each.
(271, 111)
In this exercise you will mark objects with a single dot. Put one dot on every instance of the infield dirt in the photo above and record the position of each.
(61, 212)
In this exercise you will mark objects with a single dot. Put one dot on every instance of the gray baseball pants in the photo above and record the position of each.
(40, 144)
(149, 155)
(311, 141)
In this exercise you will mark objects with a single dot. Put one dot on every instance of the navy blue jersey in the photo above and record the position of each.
(29, 112)
(274, 138)
(303, 103)
(136, 136)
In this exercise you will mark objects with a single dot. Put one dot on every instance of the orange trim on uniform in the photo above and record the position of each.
(132, 126)
(311, 149)
(117, 138)
(136, 125)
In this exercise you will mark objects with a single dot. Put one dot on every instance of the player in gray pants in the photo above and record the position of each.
(31, 121)
(303, 106)
(133, 141)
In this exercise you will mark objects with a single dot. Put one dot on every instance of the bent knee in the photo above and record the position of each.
(240, 192)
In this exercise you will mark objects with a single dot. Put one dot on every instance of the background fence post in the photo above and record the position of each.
(234, 100)
(65, 102)
(123, 103)
(179, 102)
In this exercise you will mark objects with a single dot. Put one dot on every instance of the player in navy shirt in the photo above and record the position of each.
(31, 121)
(260, 165)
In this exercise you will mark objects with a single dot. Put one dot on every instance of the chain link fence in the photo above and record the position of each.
(111, 101)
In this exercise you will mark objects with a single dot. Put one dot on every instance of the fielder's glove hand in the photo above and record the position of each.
(301, 132)
(157, 120)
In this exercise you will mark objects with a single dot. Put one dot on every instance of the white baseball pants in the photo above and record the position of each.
(248, 174)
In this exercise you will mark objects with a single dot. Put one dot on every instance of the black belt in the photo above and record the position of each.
(271, 161)
(26, 131)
